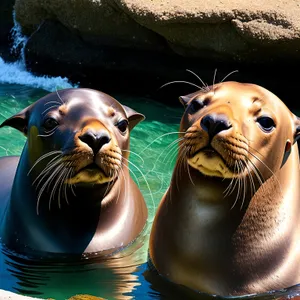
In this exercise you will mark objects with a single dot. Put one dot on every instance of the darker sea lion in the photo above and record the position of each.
(229, 224)
(70, 191)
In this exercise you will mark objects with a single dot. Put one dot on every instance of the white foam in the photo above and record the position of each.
(16, 73)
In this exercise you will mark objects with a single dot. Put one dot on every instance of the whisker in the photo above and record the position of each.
(181, 81)
(134, 153)
(125, 185)
(41, 158)
(135, 177)
(150, 192)
(204, 84)
(45, 185)
(47, 135)
(50, 102)
(61, 178)
(215, 73)
(244, 187)
(228, 75)
(46, 170)
(159, 137)
(68, 184)
(52, 194)
(49, 108)
(62, 101)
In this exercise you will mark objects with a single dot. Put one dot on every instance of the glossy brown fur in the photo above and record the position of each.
(74, 200)
(242, 240)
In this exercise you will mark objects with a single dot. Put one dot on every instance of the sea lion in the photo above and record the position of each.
(229, 222)
(70, 191)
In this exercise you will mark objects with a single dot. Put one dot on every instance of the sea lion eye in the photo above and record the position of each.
(50, 123)
(122, 125)
(196, 105)
(266, 123)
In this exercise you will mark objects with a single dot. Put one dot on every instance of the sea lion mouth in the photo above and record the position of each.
(218, 159)
(208, 151)
(92, 167)
(91, 173)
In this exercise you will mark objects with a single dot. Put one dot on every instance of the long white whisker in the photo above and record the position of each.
(134, 153)
(42, 157)
(45, 185)
(229, 75)
(163, 135)
(204, 84)
(148, 186)
(181, 81)
(59, 97)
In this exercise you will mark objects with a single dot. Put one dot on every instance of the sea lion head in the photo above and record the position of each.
(233, 129)
(80, 135)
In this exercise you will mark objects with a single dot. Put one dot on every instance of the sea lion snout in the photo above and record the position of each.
(215, 123)
(95, 139)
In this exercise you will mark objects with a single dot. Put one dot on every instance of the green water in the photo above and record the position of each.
(126, 276)
(112, 279)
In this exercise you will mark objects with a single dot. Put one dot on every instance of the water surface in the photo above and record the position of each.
(126, 276)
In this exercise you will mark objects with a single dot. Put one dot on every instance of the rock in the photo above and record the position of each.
(227, 29)
(6, 24)
(138, 45)
(96, 22)
(231, 30)
(6, 19)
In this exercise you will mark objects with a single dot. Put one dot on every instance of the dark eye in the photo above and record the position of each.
(266, 123)
(196, 105)
(50, 123)
(122, 125)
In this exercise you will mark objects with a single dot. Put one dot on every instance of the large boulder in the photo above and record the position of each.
(6, 24)
(137, 45)
(226, 29)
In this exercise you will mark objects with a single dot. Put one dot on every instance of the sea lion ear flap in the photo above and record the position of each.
(133, 117)
(297, 128)
(18, 121)
(184, 100)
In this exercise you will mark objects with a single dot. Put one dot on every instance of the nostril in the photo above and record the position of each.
(214, 124)
(104, 139)
(87, 138)
(95, 140)
(207, 122)
(221, 125)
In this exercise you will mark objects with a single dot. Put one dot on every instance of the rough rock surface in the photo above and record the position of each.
(6, 23)
(226, 29)
(138, 45)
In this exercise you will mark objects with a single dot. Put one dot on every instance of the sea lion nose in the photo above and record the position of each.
(95, 140)
(214, 124)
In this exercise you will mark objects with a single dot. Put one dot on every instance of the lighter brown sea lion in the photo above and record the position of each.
(72, 192)
(229, 224)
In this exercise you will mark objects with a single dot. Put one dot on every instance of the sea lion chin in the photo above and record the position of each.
(229, 222)
(70, 191)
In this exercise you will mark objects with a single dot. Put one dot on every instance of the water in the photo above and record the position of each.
(126, 276)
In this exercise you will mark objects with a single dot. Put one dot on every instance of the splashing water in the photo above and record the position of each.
(19, 40)
(16, 73)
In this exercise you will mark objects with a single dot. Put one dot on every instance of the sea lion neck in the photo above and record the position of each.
(209, 190)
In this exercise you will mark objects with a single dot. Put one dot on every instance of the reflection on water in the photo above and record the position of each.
(124, 275)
